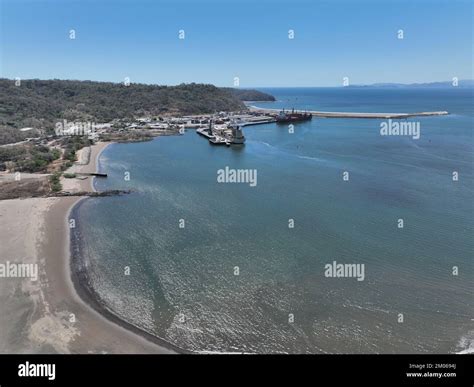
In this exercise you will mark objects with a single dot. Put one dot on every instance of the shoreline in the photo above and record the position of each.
(57, 312)
(80, 279)
(81, 282)
(94, 330)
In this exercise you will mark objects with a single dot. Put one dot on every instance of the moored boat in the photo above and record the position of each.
(285, 117)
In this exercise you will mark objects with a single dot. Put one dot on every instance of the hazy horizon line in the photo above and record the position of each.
(388, 83)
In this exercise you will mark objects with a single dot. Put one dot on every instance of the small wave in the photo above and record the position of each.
(309, 158)
(466, 344)
(369, 308)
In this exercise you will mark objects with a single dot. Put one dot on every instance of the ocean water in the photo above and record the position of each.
(183, 285)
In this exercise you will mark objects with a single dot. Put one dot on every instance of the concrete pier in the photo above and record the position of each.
(205, 133)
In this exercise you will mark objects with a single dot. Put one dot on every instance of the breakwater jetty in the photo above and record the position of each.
(353, 114)
(95, 194)
(95, 174)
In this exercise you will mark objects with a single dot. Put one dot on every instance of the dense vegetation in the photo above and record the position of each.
(41, 104)
(27, 158)
(250, 95)
(71, 144)
(10, 135)
(55, 182)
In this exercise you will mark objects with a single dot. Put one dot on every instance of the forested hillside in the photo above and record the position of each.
(39, 104)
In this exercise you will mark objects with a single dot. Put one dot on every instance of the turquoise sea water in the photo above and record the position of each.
(182, 284)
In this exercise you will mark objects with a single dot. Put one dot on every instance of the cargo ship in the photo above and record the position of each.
(285, 117)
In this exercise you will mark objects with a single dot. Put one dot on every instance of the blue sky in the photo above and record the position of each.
(245, 39)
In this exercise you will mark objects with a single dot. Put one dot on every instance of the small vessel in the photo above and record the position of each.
(285, 117)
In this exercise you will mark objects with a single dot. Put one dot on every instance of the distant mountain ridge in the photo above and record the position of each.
(463, 83)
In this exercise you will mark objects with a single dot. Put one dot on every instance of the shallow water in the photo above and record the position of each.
(182, 284)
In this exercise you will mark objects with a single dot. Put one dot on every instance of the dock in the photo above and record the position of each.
(215, 138)
(205, 133)
(354, 114)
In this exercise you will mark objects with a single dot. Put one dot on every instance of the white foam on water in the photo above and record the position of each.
(309, 158)
(466, 344)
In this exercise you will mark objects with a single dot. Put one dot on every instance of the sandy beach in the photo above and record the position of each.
(48, 315)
